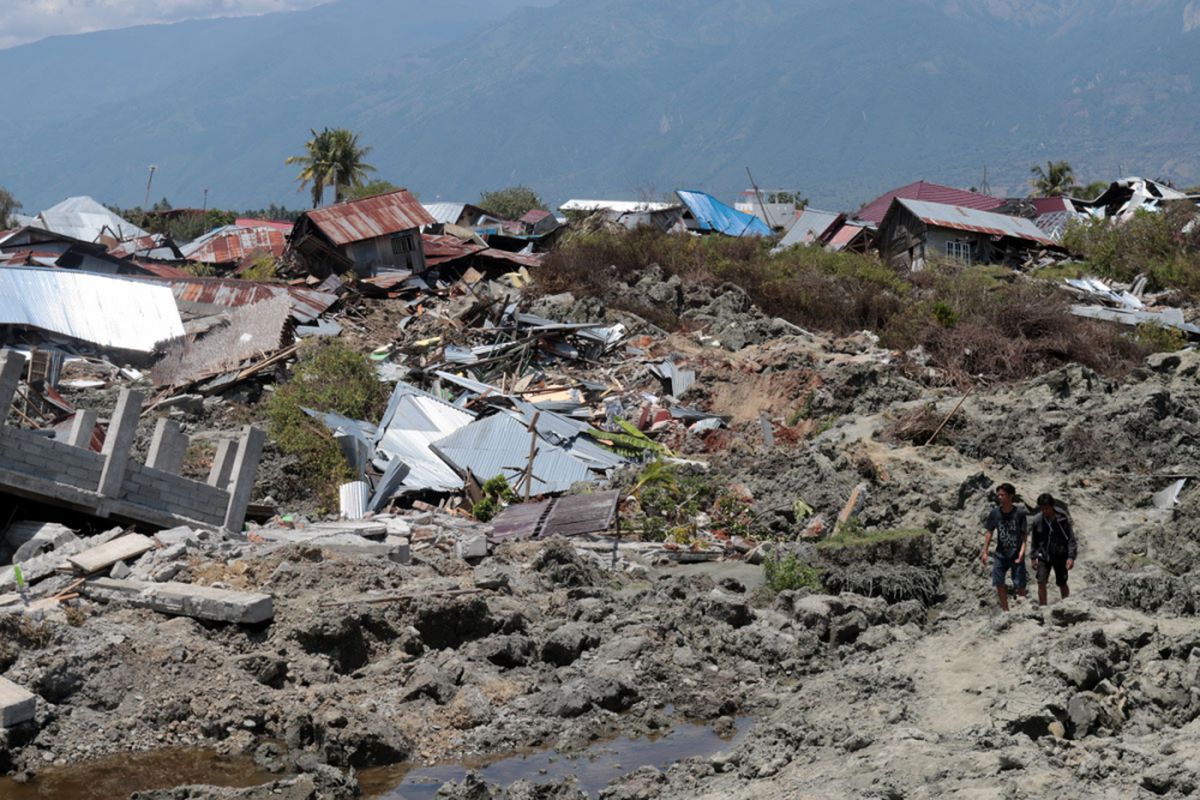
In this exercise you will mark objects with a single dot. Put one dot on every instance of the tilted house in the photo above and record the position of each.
(913, 232)
(380, 232)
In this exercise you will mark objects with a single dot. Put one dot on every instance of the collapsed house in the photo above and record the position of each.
(231, 246)
(914, 231)
(808, 227)
(1125, 196)
(36, 247)
(380, 232)
(629, 213)
(84, 219)
(707, 214)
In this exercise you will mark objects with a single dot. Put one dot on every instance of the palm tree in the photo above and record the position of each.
(332, 158)
(315, 163)
(1055, 180)
(346, 161)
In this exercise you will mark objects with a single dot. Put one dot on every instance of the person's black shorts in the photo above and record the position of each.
(1060, 571)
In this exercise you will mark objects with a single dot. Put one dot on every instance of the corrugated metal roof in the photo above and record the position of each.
(534, 216)
(843, 236)
(559, 516)
(930, 192)
(808, 227)
(445, 212)
(370, 218)
(499, 445)
(713, 215)
(85, 219)
(307, 304)
(418, 422)
(108, 311)
(972, 219)
(617, 206)
(232, 243)
(250, 222)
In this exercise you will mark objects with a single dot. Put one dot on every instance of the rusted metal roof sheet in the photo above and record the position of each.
(307, 304)
(843, 236)
(370, 218)
(929, 192)
(972, 219)
(250, 222)
(559, 516)
(230, 244)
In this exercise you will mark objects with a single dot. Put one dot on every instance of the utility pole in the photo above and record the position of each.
(204, 209)
(150, 180)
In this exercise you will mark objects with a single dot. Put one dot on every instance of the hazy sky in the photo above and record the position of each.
(28, 20)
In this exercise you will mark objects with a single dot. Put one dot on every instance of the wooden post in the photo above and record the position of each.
(121, 430)
(240, 485)
(222, 466)
(168, 447)
(82, 426)
(12, 364)
(528, 477)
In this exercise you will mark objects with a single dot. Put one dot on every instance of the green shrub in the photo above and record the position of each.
(790, 573)
(484, 510)
(1159, 338)
(264, 267)
(327, 377)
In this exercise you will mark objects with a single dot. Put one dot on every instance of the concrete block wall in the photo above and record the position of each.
(40, 457)
(162, 491)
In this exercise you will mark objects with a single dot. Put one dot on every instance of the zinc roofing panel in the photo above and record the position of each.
(808, 227)
(445, 212)
(499, 445)
(972, 219)
(232, 243)
(107, 311)
(617, 206)
(85, 219)
(371, 217)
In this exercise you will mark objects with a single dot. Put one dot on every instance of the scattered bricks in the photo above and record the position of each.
(95, 559)
(17, 704)
(185, 599)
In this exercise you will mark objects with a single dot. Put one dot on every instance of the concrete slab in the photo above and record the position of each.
(123, 548)
(189, 600)
(17, 704)
(48, 563)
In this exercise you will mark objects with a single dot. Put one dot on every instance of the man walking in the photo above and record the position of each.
(1053, 545)
(1008, 522)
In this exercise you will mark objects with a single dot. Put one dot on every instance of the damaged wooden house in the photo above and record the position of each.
(376, 233)
(914, 232)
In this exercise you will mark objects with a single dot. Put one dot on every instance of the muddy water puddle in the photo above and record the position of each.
(593, 768)
(116, 777)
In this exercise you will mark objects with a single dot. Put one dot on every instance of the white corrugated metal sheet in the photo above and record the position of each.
(445, 212)
(413, 421)
(807, 228)
(618, 206)
(104, 310)
(84, 219)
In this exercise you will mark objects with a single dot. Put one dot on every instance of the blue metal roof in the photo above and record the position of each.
(713, 215)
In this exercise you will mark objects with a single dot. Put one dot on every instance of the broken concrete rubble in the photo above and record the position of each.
(201, 602)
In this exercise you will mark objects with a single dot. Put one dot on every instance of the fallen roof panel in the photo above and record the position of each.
(108, 311)
(559, 516)
(307, 304)
(231, 243)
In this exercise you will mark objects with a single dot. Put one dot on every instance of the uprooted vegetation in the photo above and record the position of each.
(329, 376)
(966, 321)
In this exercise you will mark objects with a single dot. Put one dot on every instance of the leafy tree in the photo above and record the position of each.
(8, 206)
(1057, 179)
(511, 202)
(370, 189)
(334, 158)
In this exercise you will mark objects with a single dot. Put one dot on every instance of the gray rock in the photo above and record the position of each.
(567, 643)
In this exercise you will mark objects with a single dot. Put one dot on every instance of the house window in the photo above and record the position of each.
(959, 251)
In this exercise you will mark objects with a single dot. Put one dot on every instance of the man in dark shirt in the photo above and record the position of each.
(1008, 522)
(1053, 545)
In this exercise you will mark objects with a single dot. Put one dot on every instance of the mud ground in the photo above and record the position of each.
(852, 696)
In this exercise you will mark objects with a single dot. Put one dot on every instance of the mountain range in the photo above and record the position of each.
(839, 100)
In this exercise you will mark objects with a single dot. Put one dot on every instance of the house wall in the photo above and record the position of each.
(379, 252)
(937, 239)
(901, 241)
